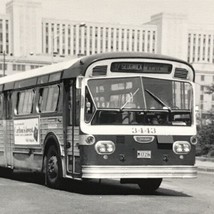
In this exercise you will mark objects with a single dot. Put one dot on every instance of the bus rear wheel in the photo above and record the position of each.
(149, 185)
(53, 168)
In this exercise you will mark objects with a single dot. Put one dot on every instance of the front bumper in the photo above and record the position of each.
(118, 172)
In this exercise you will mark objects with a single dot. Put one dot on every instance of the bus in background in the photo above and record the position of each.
(127, 116)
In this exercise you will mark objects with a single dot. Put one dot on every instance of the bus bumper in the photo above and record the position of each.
(119, 172)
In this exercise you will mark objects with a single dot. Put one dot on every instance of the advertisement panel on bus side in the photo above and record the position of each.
(26, 131)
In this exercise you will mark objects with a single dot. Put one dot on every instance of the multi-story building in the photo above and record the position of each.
(201, 44)
(204, 100)
(5, 42)
(27, 40)
(25, 24)
(75, 38)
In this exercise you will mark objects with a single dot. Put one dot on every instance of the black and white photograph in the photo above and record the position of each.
(106, 106)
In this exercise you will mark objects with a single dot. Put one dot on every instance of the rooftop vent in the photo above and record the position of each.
(181, 73)
(99, 70)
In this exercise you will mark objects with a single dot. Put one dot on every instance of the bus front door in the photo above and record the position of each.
(71, 124)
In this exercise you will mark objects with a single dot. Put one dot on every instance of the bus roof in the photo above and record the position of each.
(76, 67)
(87, 60)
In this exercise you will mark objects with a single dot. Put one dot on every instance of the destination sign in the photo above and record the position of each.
(141, 67)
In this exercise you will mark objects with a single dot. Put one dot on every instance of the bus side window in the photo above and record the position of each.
(1, 106)
(8, 105)
(20, 102)
(41, 102)
(48, 98)
(24, 103)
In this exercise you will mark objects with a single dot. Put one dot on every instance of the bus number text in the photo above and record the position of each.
(148, 130)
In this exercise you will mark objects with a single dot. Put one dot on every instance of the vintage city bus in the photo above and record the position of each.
(125, 116)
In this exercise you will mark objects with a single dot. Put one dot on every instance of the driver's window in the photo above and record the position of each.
(182, 95)
(89, 106)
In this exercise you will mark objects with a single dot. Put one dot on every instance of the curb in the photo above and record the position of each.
(204, 169)
(205, 159)
(207, 164)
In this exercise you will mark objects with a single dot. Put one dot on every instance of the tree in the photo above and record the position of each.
(205, 139)
(206, 132)
(210, 89)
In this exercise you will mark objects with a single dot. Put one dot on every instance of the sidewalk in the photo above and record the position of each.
(205, 164)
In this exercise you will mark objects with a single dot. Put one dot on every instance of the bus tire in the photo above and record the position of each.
(149, 185)
(6, 172)
(53, 169)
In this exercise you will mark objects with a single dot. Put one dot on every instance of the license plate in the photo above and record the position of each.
(144, 154)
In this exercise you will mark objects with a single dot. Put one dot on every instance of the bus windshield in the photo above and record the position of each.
(140, 94)
(117, 93)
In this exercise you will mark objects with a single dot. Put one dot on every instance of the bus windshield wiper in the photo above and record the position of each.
(109, 109)
(158, 100)
(131, 97)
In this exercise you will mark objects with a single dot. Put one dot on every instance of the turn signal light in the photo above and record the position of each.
(193, 140)
(90, 139)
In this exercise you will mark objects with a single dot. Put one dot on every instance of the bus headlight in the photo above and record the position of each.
(105, 147)
(181, 147)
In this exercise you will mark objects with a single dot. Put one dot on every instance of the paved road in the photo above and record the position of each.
(25, 193)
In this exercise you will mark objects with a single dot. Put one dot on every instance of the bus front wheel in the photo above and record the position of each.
(53, 168)
(149, 185)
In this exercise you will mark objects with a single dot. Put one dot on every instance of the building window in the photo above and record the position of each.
(202, 77)
(23, 67)
(4, 67)
(14, 67)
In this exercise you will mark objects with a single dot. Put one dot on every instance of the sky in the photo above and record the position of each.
(134, 12)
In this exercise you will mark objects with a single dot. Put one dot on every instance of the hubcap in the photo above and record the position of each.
(52, 167)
